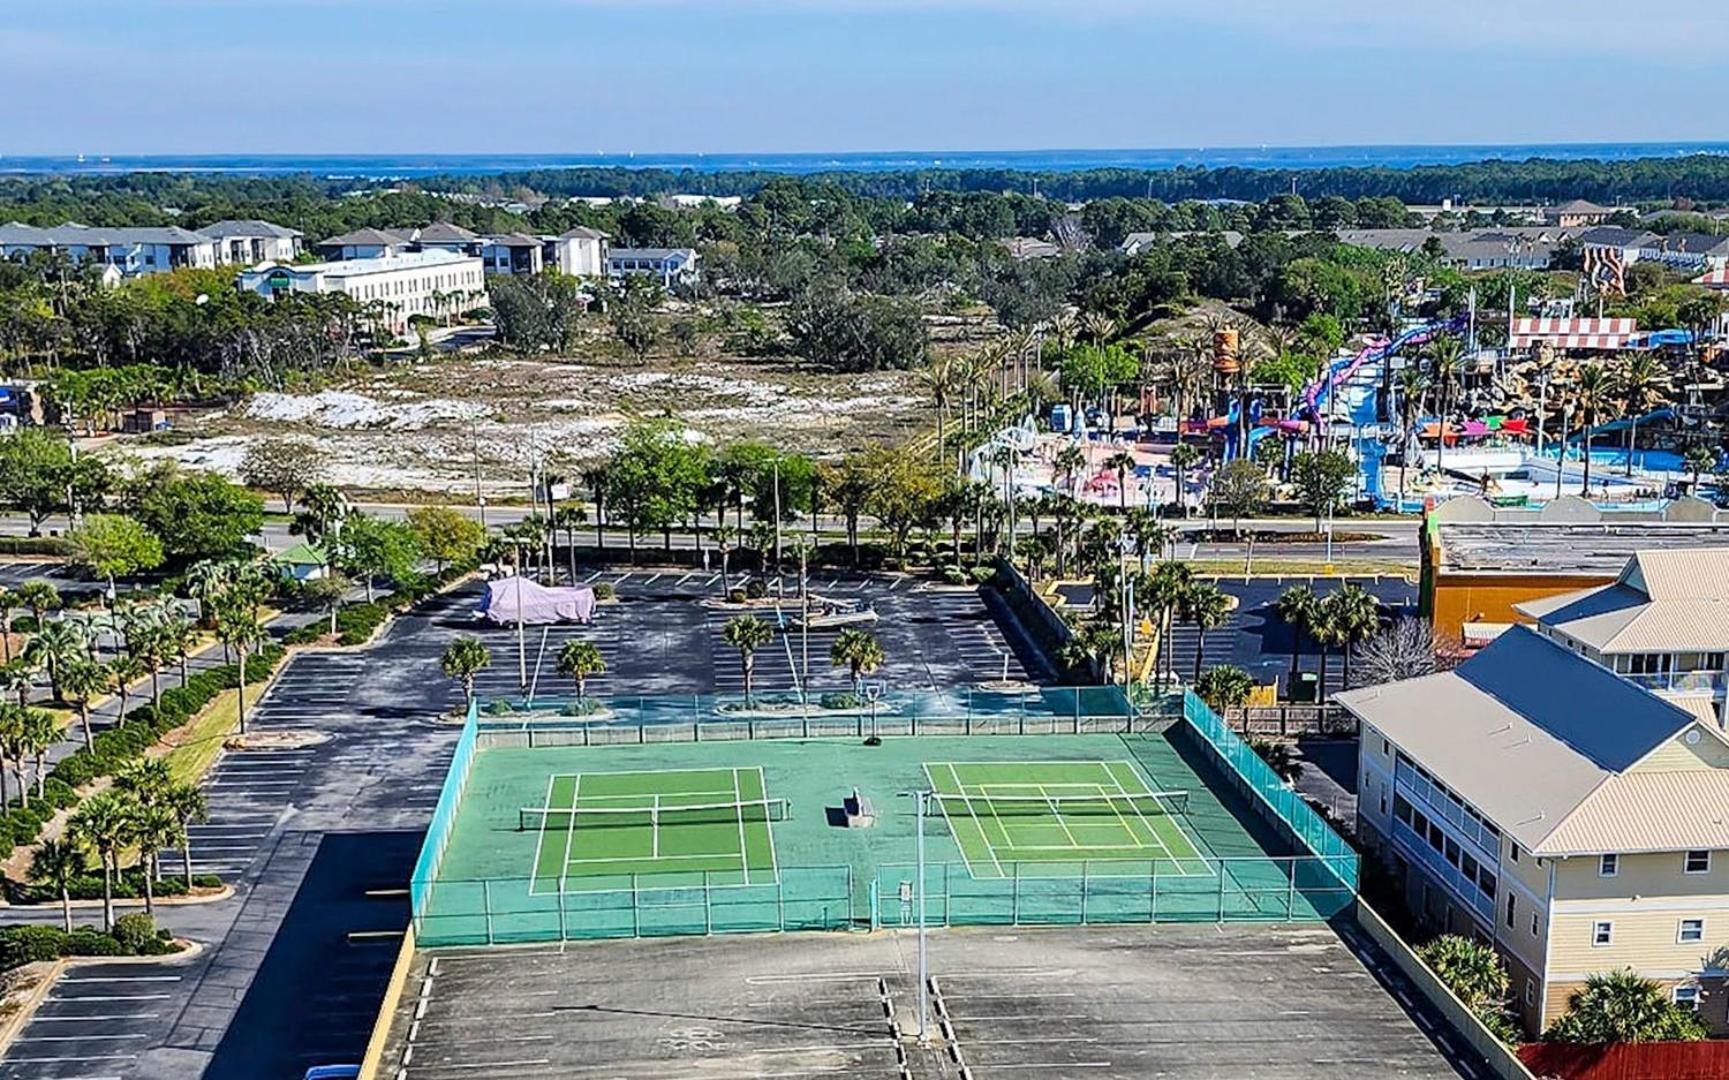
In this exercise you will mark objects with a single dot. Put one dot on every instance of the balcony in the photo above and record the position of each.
(1434, 803)
(1682, 682)
(1436, 866)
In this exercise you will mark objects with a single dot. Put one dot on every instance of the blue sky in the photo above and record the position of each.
(552, 76)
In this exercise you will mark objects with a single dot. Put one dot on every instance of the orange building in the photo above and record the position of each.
(1478, 561)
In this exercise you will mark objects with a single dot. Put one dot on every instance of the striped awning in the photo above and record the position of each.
(1573, 333)
(1716, 279)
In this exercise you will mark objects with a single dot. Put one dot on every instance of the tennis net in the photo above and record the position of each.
(1101, 804)
(747, 811)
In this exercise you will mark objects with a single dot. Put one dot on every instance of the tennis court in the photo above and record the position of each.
(1060, 816)
(710, 824)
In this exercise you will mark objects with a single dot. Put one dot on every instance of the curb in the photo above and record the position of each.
(224, 893)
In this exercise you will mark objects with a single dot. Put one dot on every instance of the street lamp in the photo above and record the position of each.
(921, 800)
(873, 691)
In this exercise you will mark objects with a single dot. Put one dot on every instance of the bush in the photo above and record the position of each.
(735, 596)
(36, 545)
(604, 590)
(304, 635)
(85, 941)
(21, 945)
(984, 575)
(840, 699)
(581, 707)
(954, 575)
(755, 589)
(134, 935)
(25, 624)
(356, 623)
(135, 932)
(128, 885)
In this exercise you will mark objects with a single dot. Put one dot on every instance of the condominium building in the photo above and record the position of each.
(580, 252)
(1663, 624)
(673, 266)
(1534, 799)
(249, 243)
(429, 283)
(130, 251)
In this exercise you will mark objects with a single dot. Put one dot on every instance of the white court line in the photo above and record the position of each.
(1152, 832)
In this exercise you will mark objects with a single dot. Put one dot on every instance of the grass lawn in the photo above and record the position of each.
(193, 748)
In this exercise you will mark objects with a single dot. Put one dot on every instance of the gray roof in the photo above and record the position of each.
(513, 240)
(224, 229)
(1591, 551)
(656, 254)
(1690, 243)
(1581, 206)
(367, 237)
(72, 234)
(582, 232)
(443, 232)
(1525, 730)
(1664, 601)
(1615, 236)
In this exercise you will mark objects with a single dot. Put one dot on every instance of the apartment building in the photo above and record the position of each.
(580, 252)
(1663, 624)
(1534, 799)
(248, 243)
(128, 251)
(429, 283)
(673, 266)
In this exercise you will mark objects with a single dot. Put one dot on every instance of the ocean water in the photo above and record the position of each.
(402, 166)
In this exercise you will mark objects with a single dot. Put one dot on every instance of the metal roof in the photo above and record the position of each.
(1646, 811)
(249, 227)
(1564, 549)
(75, 235)
(1664, 601)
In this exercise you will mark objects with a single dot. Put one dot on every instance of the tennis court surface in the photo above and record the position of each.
(705, 825)
(1060, 815)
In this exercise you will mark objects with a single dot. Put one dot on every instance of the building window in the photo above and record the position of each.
(1608, 865)
(1690, 930)
(1687, 997)
(1697, 862)
(1602, 933)
(1513, 852)
(1512, 909)
(1530, 991)
(1536, 926)
(1383, 804)
(1386, 747)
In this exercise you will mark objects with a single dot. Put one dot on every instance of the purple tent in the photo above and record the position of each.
(513, 599)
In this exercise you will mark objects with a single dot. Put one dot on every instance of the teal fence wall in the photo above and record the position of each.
(443, 816)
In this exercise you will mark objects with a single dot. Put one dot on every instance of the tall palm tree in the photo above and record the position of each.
(1593, 390)
(40, 597)
(1068, 463)
(1321, 625)
(1208, 607)
(81, 680)
(123, 671)
(53, 647)
(59, 864)
(1643, 384)
(189, 806)
(1413, 385)
(1165, 588)
(41, 732)
(1357, 615)
(1149, 533)
(9, 602)
(579, 660)
(1121, 463)
(238, 628)
(747, 634)
(462, 660)
(859, 652)
(104, 823)
(17, 678)
(939, 380)
(154, 830)
(1446, 362)
(1184, 456)
(12, 752)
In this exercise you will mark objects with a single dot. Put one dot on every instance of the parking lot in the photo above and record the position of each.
(1181, 1001)
(659, 639)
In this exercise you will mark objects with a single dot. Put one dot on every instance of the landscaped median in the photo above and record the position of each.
(358, 624)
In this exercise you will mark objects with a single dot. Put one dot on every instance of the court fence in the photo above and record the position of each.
(431, 857)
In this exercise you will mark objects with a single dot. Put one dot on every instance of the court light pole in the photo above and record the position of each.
(921, 800)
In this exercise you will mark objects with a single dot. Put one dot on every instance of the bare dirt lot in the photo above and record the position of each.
(423, 425)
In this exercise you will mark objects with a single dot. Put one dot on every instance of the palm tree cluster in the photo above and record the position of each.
(146, 813)
(1342, 619)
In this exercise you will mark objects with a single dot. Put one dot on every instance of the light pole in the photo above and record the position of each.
(921, 800)
(873, 692)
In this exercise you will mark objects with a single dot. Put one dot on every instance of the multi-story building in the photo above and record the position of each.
(673, 266)
(581, 252)
(249, 243)
(1533, 799)
(1663, 624)
(429, 283)
(130, 251)
(367, 243)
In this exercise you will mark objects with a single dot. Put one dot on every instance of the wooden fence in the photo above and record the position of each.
(1285, 721)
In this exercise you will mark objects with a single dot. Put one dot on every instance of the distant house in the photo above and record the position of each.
(1137, 242)
(1022, 248)
(302, 562)
(581, 252)
(512, 253)
(1578, 212)
(368, 243)
(673, 266)
(443, 236)
(1687, 251)
(129, 251)
(1516, 247)
(251, 242)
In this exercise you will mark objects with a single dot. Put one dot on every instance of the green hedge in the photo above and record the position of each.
(356, 623)
(128, 885)
(56, 546)
(127, 741)
(135, 934)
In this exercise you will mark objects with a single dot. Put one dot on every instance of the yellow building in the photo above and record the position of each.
(1533, 799)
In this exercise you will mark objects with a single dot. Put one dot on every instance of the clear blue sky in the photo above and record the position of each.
(329, 76)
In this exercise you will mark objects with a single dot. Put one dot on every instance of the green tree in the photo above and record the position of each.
(325, 593)
(1208, 607)
(1620, 1006)
(580, 660)
(1322, 478)
(1477, 976)
(1121, 463)
(154, 830)
(1185, 456)
(857, 651)
(655, 478)
(113, 546)
(372, 547)
(197, 515)
(238, 628)
(906, 488)
(1355, 616)
(1239, 489)
(833, 326)
(462, 660)
(59, 864)
(54, 647)
(1224, 687)
(747, 634)
(40, 597)
(283, 467)
(1593, 392)
(105, 824)
(446, 535)
(40, 476)
(189, 805)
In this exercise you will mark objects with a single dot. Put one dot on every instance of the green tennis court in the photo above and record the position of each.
(595, 828)
(1061, 815)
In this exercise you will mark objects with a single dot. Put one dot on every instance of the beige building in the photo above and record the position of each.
(429, 283)
(1663, 624)
(1534, 799)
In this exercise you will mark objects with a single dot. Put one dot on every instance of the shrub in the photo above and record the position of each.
(604, 590)
(29, 944)
(581, 707)
(25, 624)
(735, 596)
(984, 575)
(497, 707)
(304, 635)
(85, 941)
(135, 932)
(840, 699)
(755, 589)
(954, 575)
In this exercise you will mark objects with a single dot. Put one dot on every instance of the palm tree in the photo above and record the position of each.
(59, 864)
(1296, 609)
(1183, 458)
(1446, 359)
(859, 652)
(104, 823)
(1121, 462)
(237, 627)
(40, 597)
(747, 634)
(1150, 534)
(462, 660)
(1357, 615)
(81, 680)
(1643, 386)
(12, 752)
(939, 380)
(146, 780)
(9, 602)
(16, 678)
(1697, 459)
(123, 671)
(205, 581)
(1166, 586)
(41, 732)
(188, 804)
(1208, 607)
(1224, 687)
(54, 646)
(1593, 388)
(154, 829)
(1413, 385)
(579, 660)
(1068, 463)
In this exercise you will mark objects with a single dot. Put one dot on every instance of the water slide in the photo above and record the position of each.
(1315, 395)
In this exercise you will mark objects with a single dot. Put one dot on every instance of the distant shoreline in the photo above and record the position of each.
(377, 167)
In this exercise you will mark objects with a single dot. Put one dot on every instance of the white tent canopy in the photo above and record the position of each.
(510, 600)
